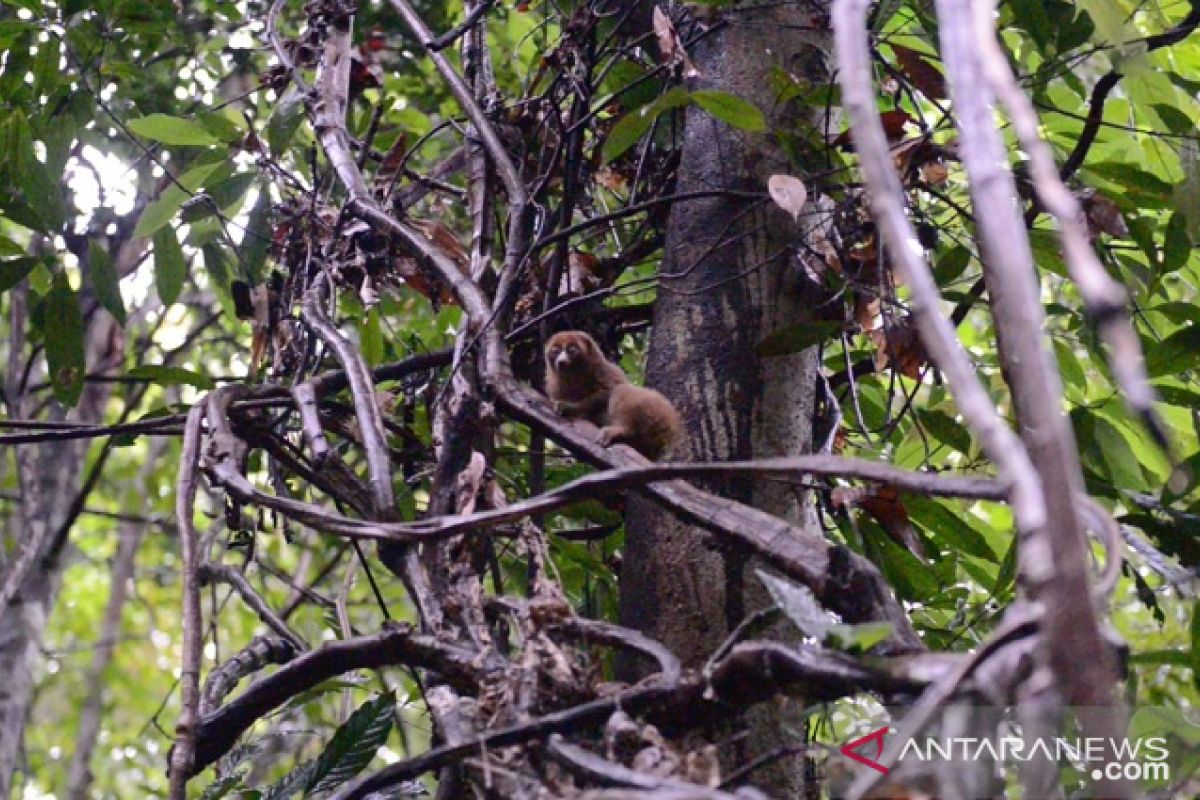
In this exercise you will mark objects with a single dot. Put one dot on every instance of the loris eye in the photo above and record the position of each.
(573, 350)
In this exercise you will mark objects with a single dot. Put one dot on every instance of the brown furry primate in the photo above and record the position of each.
(583, 383)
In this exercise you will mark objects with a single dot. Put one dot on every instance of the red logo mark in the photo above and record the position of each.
(850, 749)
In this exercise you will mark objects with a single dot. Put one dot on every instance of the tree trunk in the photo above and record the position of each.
(56, 474)
(727, 280)
(48, 475)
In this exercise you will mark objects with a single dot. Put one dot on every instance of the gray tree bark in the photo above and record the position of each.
(728, 280)
(49, 477)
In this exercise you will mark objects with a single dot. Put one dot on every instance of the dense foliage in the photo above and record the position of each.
(166, 205)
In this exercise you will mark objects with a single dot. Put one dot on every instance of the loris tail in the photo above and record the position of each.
(583, 383)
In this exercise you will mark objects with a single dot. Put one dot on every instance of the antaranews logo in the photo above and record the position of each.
(851, 749)
(1137, 759)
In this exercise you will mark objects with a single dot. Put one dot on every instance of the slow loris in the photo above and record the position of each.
(583, 383)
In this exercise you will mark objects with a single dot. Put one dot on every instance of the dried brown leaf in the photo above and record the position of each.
(923, 75)
(664, 31)
(789, 193)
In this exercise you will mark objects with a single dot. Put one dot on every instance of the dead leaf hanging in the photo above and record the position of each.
(789, 193)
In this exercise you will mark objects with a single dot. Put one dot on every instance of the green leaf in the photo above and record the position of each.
(634, 125)
(858, 638)
(1161, 658)
(1186, 195)
(170, 268)
(1176, 396)
(32, 6)
(38, 189)
(14, 271)
(256, 241)
(952, 264)
(62, 325)
(221, 126)
(1118, 454)
(1112, 27)
(371, 338)
(290, 784)
(171, 376)
(223, 194)
(172, 130)
(160, 212)
(1195, 654)
(1175, 120)
(948, 528)
(795, 338)
(1133, 178)
(13, 29)
(1142, 230)
(946, 429)
(1177, 245)
(10, 248)
(731, 109)
(353, 745)
(105, 282)
(626, 81)
(1007, 576)
(1031, 15)
(285, 120)
(1178, 352)
(884, 11)
(1074, 378)
(46, 67)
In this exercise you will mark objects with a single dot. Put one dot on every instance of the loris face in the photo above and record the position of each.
(569, 350)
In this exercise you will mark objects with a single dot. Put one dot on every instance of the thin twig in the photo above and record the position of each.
(887, 204)
(182, 756)
(1105, 300)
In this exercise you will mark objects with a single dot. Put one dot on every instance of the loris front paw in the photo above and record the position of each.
(564, 408)
(609, 435)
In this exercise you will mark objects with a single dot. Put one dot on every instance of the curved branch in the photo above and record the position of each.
(507, 170)
(217, 732)
(752, 673)
(183, 755)
(224, 573)
(1018, 628)
(366, 409)
(842, 580)
(594, 769)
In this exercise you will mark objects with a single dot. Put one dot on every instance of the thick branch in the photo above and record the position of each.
(218, 731)
(1054, 558)
(753, 672)
(842, 579)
